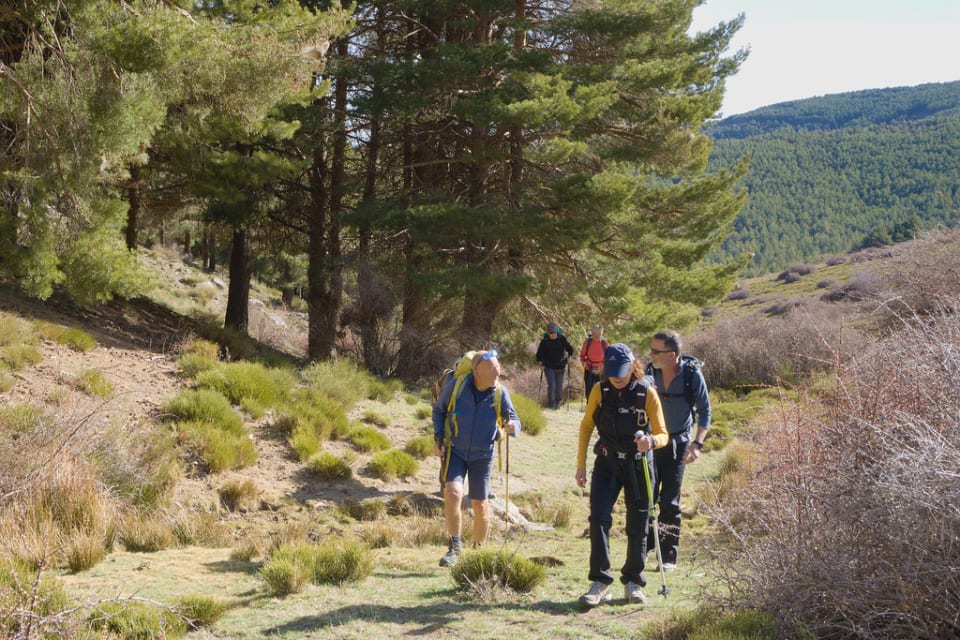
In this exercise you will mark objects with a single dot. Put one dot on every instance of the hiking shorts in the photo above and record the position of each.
(478, 474)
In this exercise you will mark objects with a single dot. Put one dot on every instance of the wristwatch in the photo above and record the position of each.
(697, 444)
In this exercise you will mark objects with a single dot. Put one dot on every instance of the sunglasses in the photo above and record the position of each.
(489, 354)
(659, 351)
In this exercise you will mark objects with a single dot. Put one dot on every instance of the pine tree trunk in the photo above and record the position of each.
(238, 295)
(135, 206)
(415, 332)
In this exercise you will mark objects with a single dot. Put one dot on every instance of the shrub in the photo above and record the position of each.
(481, 570)
(393, 464)
(76, 339)
(7, 381)
(346, 561)
(287, 570)
(237, 495)
(147, 534)
(199, 528)
(205, 406)
(739, 292)
(19, 356)
(22, 418)
(249, 384)
(304, 441)
(531, 414)
(30, 601)
(85, 550)
(425, 413)
(372, 417)
(364, 510)
(136, 621)
(342, 381)
(330, 467)
(420, 447)
(202, 348)
(382, 390)
(13, 330)
(218, 448)
(93, 383)
(314, 411)
(369, 439)
(882, 465)
(192, 364)
(200, 611)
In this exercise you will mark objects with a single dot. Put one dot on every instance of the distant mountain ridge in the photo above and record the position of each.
(828, 172)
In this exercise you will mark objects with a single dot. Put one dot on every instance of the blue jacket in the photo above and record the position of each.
(476, 418)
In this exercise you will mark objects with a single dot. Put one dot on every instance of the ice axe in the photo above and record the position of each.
(664, 591)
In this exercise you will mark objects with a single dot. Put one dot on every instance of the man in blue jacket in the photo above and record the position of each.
(464, 438)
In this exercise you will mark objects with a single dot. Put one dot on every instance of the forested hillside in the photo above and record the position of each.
(830, 174)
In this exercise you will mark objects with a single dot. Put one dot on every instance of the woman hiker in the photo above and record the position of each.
(628, 418)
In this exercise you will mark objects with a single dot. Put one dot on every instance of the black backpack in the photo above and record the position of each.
(688, 369)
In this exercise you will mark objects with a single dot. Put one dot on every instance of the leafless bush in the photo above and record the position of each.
(850, 524)
(762, 350)
(785, 306)
(739, 292)
(795, 272)
(835, 260)
(927, 277)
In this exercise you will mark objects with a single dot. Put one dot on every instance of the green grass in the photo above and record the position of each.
(248, 384)
(329, 466)
(531, 414)
(94, 383)
(393, 464)
(76, 339)
(134, 620)
(312, 411)
(373, 417)
(20, 356)
(290, 568)
(205, 406)
(342, 381)
(420, 447)
(367, 439)
(477, 571)
(21, 418)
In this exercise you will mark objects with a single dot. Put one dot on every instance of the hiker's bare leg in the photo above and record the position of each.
(481, 521)
(452, 497)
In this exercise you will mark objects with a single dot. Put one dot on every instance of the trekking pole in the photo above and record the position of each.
(506, 484)
(540, 385)
(656, 527)
(566, 394)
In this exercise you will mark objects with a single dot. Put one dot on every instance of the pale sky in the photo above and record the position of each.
(806, 48)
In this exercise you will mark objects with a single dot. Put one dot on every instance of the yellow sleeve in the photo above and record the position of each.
(587, 427)
(655, 415)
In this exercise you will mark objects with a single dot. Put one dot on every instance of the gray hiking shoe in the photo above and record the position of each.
(669, 566)
(452, 555)
(597, 593)
(634, 593)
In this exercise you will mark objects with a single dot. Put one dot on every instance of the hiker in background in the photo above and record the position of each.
(464, 438)
(683, 394)
(591, 357)
(552, 354)
(629, 422)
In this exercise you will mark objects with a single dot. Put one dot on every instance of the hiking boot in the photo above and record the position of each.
(597, 593)
(669, 566)
(453, 553)
(634, 593)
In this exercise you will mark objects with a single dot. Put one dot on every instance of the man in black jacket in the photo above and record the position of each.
(552, 357)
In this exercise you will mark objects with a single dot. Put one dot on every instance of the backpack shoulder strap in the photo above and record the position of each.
(451, 410)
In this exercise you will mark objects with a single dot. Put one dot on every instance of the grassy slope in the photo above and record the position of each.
(408, 594)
